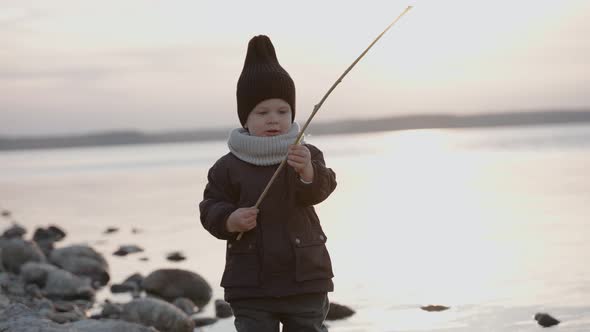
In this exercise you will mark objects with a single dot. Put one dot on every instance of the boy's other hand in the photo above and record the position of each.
(299, 158)
(242, 220)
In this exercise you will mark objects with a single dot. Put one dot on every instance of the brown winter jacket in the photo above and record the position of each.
(285, 254)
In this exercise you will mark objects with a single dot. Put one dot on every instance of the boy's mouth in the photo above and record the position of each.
(272, 132)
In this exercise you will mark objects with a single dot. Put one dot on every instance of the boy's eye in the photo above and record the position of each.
(283, 111)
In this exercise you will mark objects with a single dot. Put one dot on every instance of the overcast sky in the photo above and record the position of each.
(74, 66)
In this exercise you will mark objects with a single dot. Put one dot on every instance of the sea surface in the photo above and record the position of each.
(494, 223)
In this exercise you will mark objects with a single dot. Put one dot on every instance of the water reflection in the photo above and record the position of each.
(419, 217)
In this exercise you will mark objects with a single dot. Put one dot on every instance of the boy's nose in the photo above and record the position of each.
(273, 118)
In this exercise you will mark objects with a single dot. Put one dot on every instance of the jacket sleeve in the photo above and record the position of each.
(323, 184)
(217, 203)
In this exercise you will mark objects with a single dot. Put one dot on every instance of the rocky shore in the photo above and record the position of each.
(46, 287)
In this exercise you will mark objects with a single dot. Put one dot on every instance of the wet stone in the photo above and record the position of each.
(175, 256)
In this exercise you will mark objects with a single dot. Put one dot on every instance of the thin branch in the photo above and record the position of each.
(316, 108)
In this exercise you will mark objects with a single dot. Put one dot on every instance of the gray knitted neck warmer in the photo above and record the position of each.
(261, 151)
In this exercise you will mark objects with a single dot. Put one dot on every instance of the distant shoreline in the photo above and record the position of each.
(128, 137)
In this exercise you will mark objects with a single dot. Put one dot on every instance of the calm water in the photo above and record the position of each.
(494, 223)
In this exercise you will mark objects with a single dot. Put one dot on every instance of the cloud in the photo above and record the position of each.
(26, 64)
(17, 15)
(70, 73)
(70, 58)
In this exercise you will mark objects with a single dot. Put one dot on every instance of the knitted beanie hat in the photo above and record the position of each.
(263, 78)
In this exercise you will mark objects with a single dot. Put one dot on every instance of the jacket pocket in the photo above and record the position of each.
(312, 261)
(242, 267)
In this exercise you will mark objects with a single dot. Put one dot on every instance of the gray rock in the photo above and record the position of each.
(46, 237)
(135, 278)
(127, 249)
(18, 317)
(84, 304)
(223, 309)
(82, 260)
(64, 306)
(43, 306)
(124, 288)
(57, 283)
(157, 313)
(33, 291)
(186, 305)
(111, 310)
(131, 285)
(175, 256)
(11, 285)
(109, 325)
(14, 232)
(4, 301)
(36, 273)
(65, 317)
(16, 252)
(434, 308)
(545, 320)
(46, 247)
(338, 311)
(62, 284)
(111, 230)
(170, 284)
(60, 311)
(51, 233)
(204, 321)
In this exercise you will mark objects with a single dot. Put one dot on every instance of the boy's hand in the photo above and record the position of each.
(242, 220)
(299, 158)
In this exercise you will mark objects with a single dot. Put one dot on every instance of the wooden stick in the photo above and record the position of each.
(316, 108)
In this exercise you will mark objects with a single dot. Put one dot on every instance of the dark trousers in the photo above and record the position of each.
(298, 313)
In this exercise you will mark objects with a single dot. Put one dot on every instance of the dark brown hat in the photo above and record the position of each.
(263, 78)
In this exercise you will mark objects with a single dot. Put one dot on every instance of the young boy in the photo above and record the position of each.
(280, 270)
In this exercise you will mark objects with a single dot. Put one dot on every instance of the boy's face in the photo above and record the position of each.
(271, 117)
